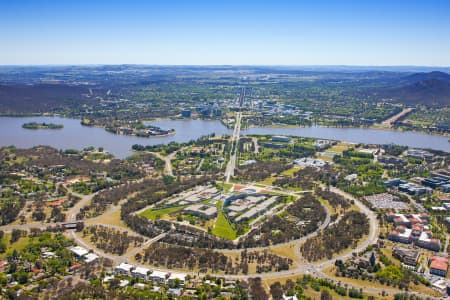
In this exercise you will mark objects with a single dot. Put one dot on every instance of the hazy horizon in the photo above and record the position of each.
(311, 68)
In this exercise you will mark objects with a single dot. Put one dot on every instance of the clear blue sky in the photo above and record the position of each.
(357, 32)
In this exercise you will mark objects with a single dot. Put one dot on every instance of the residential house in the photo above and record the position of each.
(124, 269)
(158, 276)
(141, 272)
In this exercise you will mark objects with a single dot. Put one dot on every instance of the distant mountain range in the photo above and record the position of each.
(414, 78)
(431, 89)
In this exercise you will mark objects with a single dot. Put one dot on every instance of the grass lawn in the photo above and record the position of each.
(112, 219)
(227, 187)
(290, 172)
(268, 181)
(285, 251)
(339, 148)
(158, 213)
(20, 244)
(222, 228)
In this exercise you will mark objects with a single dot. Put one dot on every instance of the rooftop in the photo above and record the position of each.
(90, 257)
(141, 271)
(439, 263)
(79, 251)
(159, 274)
(125, 267)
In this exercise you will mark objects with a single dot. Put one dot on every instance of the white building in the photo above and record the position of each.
(310, 162)
(248, 162)
(108, 278)
(79, 251)
(351, 177)
(123, 268)
(48, 254)
(90, 257)
(440, 286)
(124, 283)
(141, 272)
(158, 276)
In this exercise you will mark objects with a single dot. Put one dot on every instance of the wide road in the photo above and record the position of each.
(229, 171)
(234, 140)
(396, 117)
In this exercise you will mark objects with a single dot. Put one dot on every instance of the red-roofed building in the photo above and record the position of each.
(438, 265)
(58, 202)
(74, 267)
(400, 234)
(402, 220)
(416, 231)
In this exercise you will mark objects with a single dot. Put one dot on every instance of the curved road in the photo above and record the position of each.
(301, 267)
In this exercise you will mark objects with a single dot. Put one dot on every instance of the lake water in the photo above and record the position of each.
(363, 135)
(76, 136)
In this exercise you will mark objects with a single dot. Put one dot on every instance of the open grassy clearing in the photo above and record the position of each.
(20, 244)
(268, 180)
(284, 251)
(111, 219)
(290, 172)
(222, 228)
(159, 213)
(339, 148)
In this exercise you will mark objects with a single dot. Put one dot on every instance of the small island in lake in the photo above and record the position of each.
(36, 125)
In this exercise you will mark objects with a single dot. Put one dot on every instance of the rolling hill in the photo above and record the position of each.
(431, 89)
(40, 98)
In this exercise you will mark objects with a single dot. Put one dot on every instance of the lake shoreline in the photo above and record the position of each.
(275, 125)
(76, 136)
